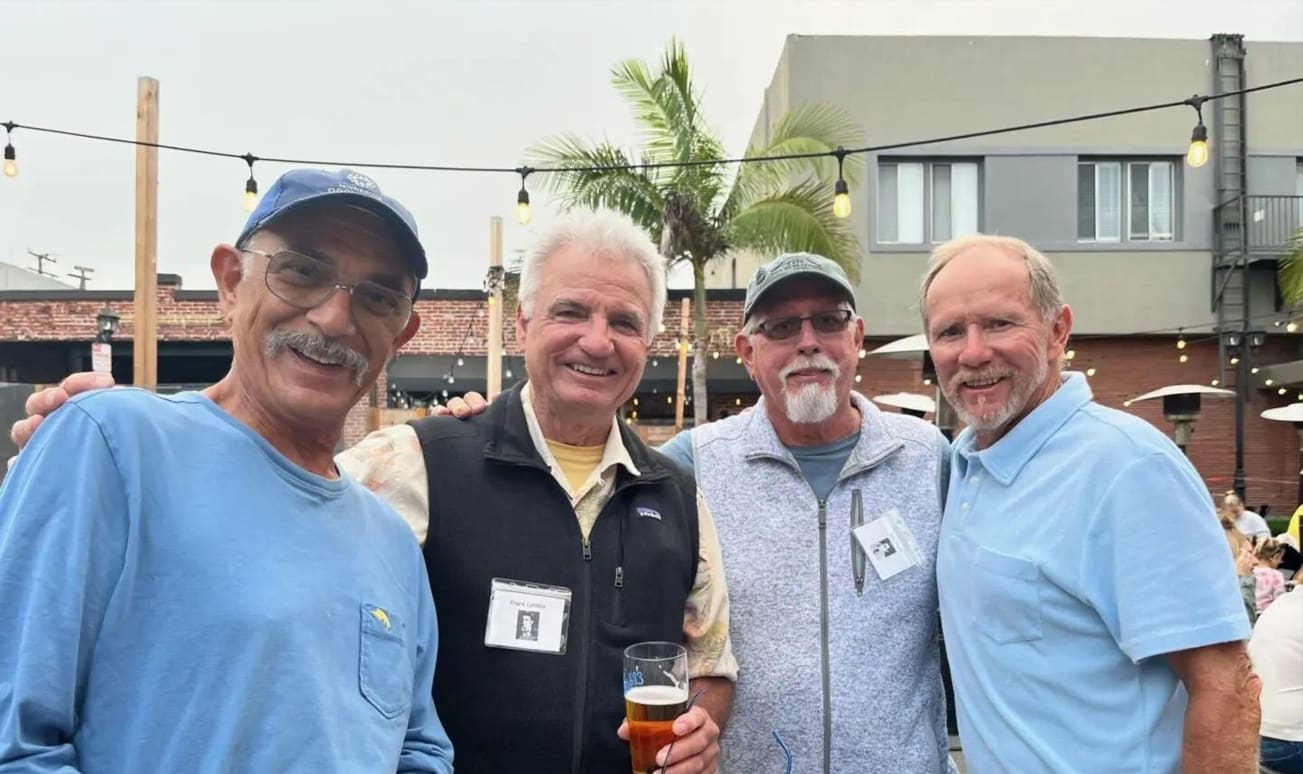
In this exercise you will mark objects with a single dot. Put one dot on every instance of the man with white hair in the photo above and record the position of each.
(547, 502)
(1083, 635)
(828, 513)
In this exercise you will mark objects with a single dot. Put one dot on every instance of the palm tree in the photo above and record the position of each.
(699, 213)
(1290, 273)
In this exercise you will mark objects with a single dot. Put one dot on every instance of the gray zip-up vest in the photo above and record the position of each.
(851, 682)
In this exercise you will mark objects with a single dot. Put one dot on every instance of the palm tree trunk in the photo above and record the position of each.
(700, 399)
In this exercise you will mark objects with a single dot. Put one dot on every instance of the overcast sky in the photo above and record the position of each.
(451, 82)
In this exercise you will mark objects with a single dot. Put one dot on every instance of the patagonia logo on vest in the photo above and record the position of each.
(649, 513)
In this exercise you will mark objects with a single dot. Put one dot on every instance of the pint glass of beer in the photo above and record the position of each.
(655, 693)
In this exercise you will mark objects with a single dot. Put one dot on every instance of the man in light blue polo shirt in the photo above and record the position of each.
(1090, 607)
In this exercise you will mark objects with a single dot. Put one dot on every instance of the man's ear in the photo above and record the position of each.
(742, 346)
(1060, 331)
(228, 271)
(407, 333)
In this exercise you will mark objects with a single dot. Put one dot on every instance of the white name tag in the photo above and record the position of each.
(889, 545)
(527, 616)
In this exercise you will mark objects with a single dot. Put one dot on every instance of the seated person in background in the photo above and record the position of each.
(1277, 652)
(1268, 582)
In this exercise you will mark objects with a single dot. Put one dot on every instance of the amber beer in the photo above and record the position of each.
(651, 710)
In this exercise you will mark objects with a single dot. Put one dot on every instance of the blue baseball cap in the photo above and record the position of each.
(300, 188)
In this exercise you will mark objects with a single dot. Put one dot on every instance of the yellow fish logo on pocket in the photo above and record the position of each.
(380, 615)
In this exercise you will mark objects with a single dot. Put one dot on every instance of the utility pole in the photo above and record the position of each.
(41, 260)
(82, 274)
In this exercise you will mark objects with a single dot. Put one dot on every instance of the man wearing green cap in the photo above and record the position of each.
(828, 512)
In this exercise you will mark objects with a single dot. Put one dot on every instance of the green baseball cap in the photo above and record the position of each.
(790, 266)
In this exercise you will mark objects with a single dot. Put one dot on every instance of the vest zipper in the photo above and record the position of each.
(581, 684)
(823, 639)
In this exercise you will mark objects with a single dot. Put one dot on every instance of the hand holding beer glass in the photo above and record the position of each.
(655, 693)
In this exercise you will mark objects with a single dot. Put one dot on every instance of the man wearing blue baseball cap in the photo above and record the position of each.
(207, 592)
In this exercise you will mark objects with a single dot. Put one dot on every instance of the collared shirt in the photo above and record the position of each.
(390, 463)
(1074, 553)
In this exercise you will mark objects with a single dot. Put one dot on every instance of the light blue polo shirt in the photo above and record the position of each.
(1074, 552)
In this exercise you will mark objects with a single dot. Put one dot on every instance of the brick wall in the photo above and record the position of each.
(1130, 366)
(1126, 367)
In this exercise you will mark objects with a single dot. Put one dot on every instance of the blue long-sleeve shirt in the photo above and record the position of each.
(177, 596)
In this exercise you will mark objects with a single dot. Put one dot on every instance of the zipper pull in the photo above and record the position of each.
(619, 577)
(588, 551)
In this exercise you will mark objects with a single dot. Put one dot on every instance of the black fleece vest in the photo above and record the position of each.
(496, 512)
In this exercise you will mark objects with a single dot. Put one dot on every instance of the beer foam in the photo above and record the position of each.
(657, 695)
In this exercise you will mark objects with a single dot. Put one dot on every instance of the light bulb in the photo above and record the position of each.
(1291, 327)
(1180, 343)
(928, 382)
(1070, 354)
(11, 161)
(864, 353)
(655, 363)
(250, 193)
(1126, 403)
(1281, 391)
(523, 214)
(1090, 371)
(737, 401)
(739, 361)
(859, 378)
(635, 401)
(1235, 360)
(669, 399)
(1269, 382)
(1184, 357)
(452, 380)
(509, 375)
(841, 200)
(461, 362)
(1197, 156)
(1253, 370)
(1216, 382)
(714, 355)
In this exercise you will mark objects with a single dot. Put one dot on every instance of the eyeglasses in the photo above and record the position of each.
(306, 282)
(782, 328)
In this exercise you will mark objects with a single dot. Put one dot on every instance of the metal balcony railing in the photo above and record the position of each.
(1256, 226)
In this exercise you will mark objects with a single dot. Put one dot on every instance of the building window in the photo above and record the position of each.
(1133, 201)
(926, 201)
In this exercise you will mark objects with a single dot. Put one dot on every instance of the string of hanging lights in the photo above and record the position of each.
(1196, 155)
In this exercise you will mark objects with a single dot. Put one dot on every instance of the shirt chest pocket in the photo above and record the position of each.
(1007, 597)
(384, 668)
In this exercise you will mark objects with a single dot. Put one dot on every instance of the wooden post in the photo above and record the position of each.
(685, 313)
(494, 370)
(145, 325)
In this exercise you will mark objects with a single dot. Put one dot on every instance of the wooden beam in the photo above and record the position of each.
(494, 371)
(685, 339)
(145, 325)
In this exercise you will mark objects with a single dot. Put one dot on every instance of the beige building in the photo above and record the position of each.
(1127, 222)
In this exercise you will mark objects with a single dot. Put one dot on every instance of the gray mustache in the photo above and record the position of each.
(318, 348)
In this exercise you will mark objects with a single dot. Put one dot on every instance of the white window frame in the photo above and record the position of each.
(929, 166)
(1121, 170)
